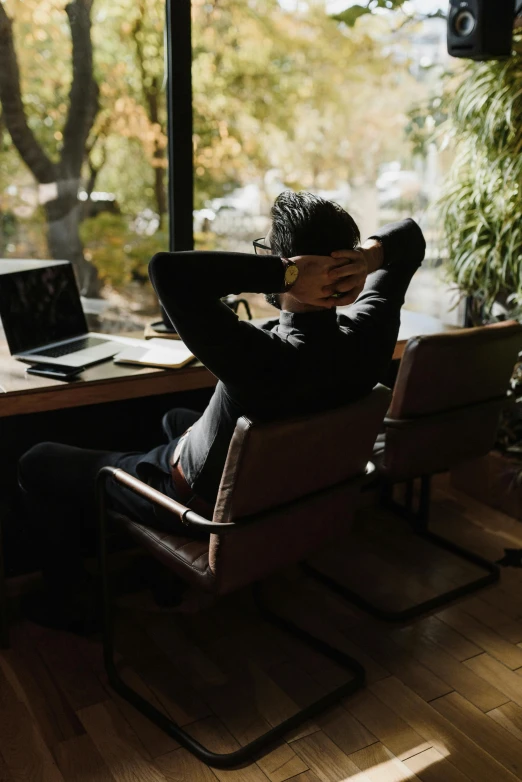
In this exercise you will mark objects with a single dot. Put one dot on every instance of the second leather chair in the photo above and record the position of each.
(445, 410)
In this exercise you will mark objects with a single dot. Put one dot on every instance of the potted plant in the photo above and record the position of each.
(481, 203)
(481, 210)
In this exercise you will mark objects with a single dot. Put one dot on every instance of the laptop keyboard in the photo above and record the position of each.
(72, 347)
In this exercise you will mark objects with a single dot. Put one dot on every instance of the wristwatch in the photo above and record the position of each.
(291, 272)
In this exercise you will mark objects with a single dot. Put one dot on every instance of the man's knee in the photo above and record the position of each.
(177, 421)
(37, 466)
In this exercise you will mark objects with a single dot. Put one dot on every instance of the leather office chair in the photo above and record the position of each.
(445, 410)
(287, 488)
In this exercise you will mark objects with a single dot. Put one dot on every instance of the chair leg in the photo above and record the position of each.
(4, 598)
(262, 744)
(419, 522)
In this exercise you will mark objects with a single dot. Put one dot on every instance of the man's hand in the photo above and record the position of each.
(320, 277)
(350, 276)
(336, 280)
(362, 262)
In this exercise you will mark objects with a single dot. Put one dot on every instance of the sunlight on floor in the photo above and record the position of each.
(425, 757)
(392, 770)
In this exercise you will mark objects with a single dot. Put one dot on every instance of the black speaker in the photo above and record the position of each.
(481, 29)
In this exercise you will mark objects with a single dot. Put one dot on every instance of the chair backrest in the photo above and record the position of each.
(299, 479)
(274, 463)
(447, 399)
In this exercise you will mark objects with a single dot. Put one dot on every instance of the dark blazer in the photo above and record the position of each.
(297, 364)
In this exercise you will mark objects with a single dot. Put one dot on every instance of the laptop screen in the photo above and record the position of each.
(39, 306)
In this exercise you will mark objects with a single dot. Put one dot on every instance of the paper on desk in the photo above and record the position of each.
(156, 352)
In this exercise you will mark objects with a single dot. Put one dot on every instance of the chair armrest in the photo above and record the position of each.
(188, 517)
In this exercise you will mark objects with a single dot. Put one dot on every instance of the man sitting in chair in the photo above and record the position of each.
(309, 359)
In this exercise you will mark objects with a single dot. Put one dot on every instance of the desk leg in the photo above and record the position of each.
(4, 602)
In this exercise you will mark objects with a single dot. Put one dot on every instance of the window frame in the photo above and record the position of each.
(178, 41)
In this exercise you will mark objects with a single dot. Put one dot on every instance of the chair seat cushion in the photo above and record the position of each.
(187, 557)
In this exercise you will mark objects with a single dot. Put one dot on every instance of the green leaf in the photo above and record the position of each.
(350, 15)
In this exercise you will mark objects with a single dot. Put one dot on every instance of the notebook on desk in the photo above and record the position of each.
(171, 354)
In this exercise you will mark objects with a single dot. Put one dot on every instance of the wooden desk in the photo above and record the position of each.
(109, 382)
(106, 382)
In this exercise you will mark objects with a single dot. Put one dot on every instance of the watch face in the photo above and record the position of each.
(291, 275)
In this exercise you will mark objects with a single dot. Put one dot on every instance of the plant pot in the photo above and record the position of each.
(495, 480)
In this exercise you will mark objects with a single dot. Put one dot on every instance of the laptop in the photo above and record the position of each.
(43, 318)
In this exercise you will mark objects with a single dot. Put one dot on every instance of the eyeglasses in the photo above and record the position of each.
(261, 248)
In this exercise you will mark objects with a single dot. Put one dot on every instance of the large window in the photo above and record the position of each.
(83, 146)
(285, 95)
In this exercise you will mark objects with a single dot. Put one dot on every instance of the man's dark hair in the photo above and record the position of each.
(304, 224)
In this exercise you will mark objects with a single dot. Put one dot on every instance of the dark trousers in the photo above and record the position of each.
(58, 483)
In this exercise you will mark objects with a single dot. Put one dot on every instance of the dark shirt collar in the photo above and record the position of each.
(308, 321)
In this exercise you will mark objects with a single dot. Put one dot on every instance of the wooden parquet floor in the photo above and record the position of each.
(443, 701)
